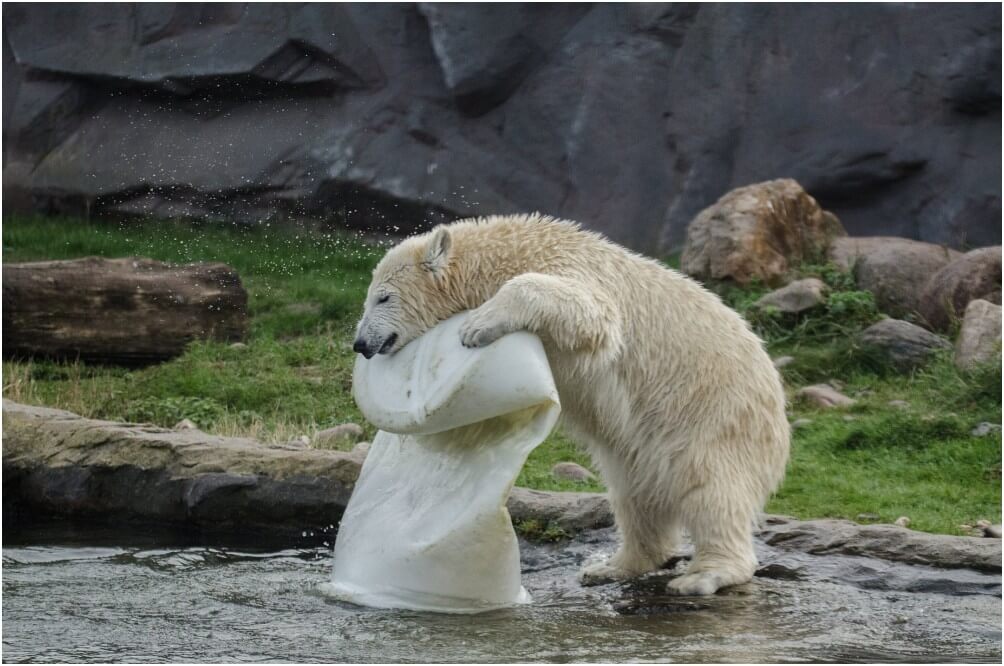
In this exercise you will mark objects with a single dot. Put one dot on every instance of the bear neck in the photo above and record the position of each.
(473, 280)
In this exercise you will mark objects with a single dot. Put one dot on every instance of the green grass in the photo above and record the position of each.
(306, 287)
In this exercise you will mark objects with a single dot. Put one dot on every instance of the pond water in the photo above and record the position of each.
(88, 594)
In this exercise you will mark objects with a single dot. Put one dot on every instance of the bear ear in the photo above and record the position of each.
(437, 254)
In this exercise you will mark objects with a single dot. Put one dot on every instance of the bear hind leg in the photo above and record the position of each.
(723, 548)
(649, 538)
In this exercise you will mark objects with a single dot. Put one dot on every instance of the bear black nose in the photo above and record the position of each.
(360, 347)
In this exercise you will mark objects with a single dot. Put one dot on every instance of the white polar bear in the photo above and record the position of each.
(670, 392)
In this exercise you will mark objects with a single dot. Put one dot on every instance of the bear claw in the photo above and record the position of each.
(474, 336)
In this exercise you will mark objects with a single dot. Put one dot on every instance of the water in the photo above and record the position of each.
(99, 595)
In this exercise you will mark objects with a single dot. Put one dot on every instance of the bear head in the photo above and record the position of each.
(408, 294)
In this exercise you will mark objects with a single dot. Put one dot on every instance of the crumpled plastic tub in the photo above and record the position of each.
(426, 527)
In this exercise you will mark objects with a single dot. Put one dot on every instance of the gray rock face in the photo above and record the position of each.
(976, 274)
(796, 297)
(904, 345)
(980, 337)
(892, 269)
(629, 118)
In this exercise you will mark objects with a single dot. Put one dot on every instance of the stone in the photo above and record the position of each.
(338, 436)
(869, 517)
(823, 395)
(800, 423)
(572, 511)
(947, 293)
(238, 345)
(362, 448)
(892, 269)
(61, 464)
(982, 524)
(985, 428)
(993, 531)
(795, 297)
(899, 404)
(901, 344)
(758, 232)
(783, 361)
(902, 521)
(185, 424)
(888, 542)
(572, 472)
(628, 118)
(979, 338)
(58, 463)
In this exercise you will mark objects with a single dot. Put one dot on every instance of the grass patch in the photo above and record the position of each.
(306, 286)
(536, 530)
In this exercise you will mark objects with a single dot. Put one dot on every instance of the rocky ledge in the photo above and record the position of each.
(58, 463)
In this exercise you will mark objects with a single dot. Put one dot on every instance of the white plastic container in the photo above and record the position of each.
(426, 527)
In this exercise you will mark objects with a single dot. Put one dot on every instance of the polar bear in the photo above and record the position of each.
(668, 390)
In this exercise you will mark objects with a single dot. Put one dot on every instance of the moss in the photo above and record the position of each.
(536, 530)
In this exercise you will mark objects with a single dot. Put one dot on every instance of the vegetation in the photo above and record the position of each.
(293, 377)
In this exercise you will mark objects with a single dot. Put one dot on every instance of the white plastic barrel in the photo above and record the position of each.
(426, 527)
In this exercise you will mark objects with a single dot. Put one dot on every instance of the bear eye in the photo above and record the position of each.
(383, 299)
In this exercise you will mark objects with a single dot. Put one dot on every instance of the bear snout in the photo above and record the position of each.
(360, 347)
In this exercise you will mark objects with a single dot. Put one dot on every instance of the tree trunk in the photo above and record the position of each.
(128, 311)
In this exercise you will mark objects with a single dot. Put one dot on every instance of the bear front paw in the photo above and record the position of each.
(481, 331)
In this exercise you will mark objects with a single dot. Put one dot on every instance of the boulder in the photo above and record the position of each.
(976, 274)
(888, 542)
(892, 269)
(572, 512)
(980, 336)
(823, 395)
(758, 232)
(795, 298)
(55, 462)
(903, 345)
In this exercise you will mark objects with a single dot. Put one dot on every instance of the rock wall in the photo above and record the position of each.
(629, 118)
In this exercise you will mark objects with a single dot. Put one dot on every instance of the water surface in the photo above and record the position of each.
(72, 594)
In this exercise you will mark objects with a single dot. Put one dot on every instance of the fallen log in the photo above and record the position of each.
(130, 311)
